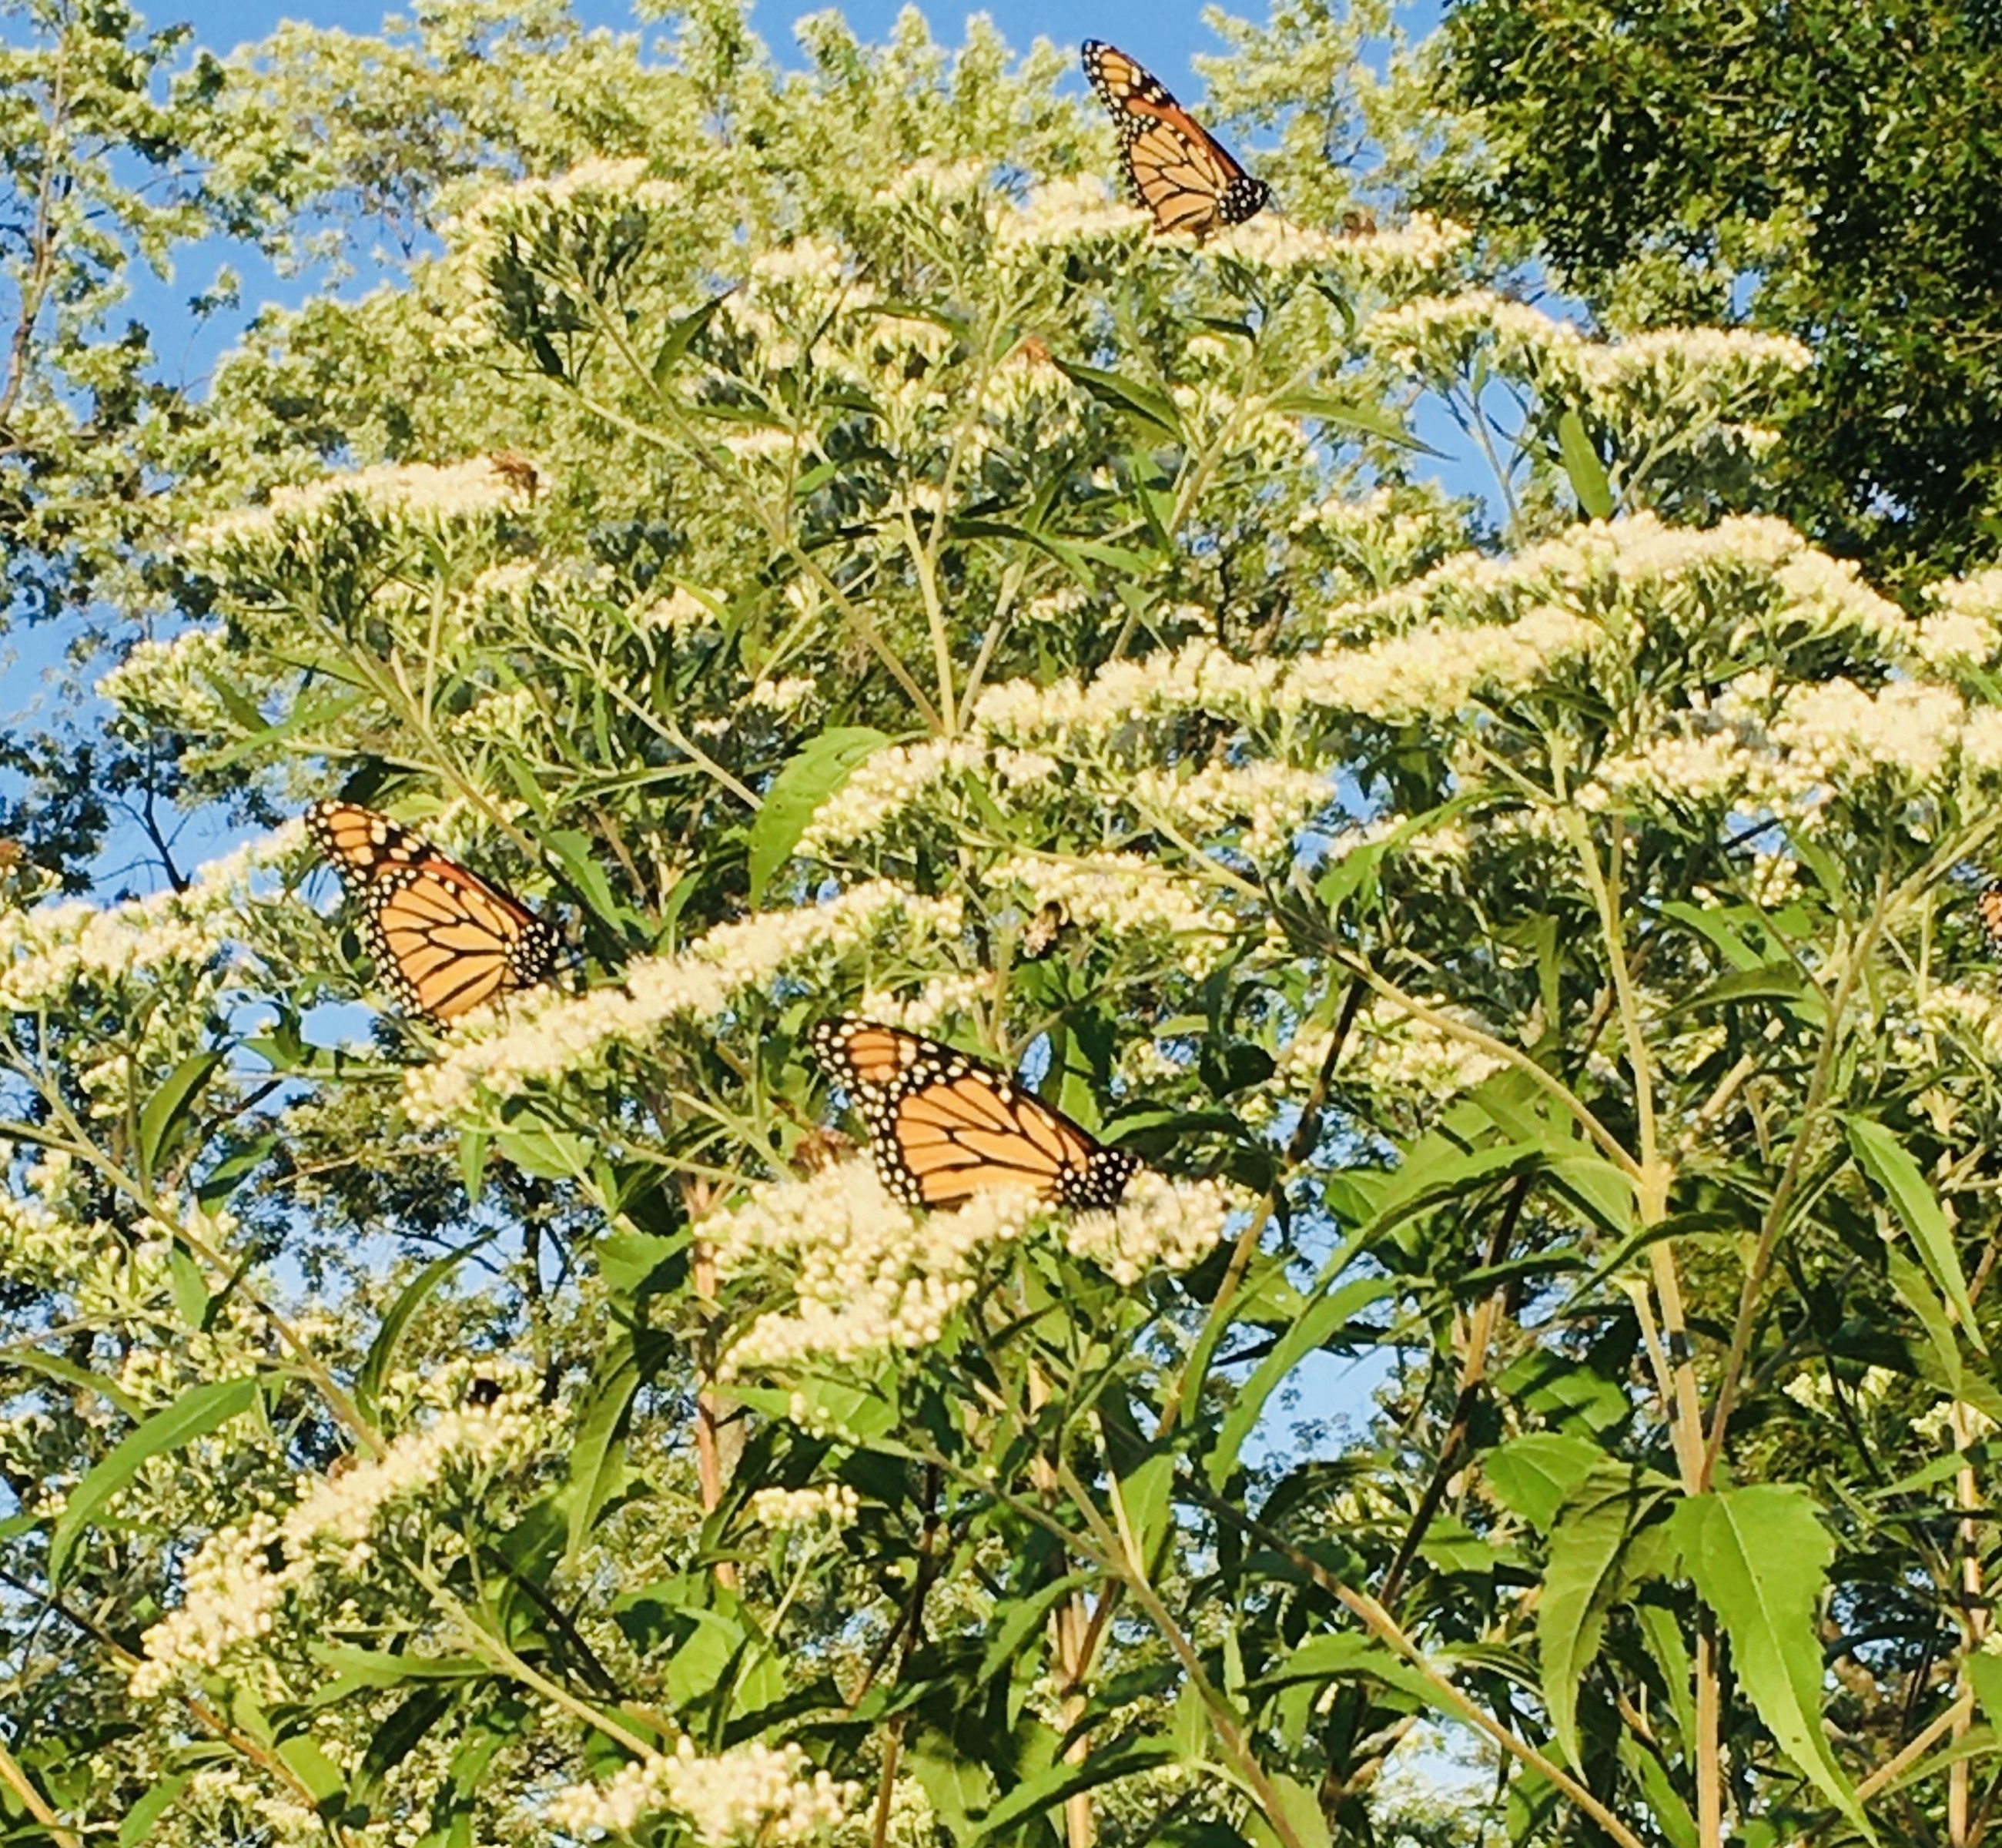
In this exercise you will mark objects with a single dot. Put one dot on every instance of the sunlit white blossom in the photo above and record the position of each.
(753, 1793)
(837, 1505)
(548, 1032)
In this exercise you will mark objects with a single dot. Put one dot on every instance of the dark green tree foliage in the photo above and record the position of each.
(1830, 169)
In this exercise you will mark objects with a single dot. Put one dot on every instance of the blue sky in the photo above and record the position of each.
(1162, 37)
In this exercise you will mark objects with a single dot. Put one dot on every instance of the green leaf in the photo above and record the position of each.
(1049, 1787)
(703, 1657)
(390, 1668)
(196, 1412)
(957, 1787)
(584, 868)
(400, 1733)
(1302, 1814)
(311, 1766)
(167, 1109)
(631, 1263)
(473, 1146)
(54, 1367)
(596, 1456)
(1759, 1558)
(306, 715)
(1579, 1583)
(375, 1364)
(1888, 1162)
(138, 1823)
(1317, 1320)
(1581, 464)
(1020, 1619)
(1533, 1474)
(1672, 1815)
(681, 334)
(223, 1180)
(1664, 1637)
(1348, 1656)
(190, 1288)
(1146, 1492)
(815, 774)
(1348, 413)
(1985, 1671)
(1145, 405)
(547, 1154)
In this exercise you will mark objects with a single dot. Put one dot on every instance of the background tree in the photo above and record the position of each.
(797, 530)
(1815, 170)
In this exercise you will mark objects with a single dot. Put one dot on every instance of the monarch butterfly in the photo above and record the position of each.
(1988, 908)
(1175, 167)
(441, 937)
(944, 1126)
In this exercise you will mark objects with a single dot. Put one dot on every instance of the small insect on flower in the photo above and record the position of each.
(515, 469)
(1044, 929)
(444, 940)
(944, 1127)
(1175, 168)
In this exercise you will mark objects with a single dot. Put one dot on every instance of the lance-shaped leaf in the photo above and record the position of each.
(1581, 464)
(1580, 1585)
(1888, 1162)
(816, 773)
(196, 1412)
(1759, 1558)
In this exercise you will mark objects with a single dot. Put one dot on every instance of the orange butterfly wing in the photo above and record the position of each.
(1177, 169)
(944, 1127)
(1988, 908)
(443, 940)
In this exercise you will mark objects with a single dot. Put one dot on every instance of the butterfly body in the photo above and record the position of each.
(944, 1127)
(1176, 168)
(442, 939)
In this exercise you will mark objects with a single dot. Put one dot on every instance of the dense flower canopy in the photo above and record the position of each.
(800, 533)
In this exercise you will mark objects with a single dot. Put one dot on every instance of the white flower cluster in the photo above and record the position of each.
(1973, 1014)
(781, 695)
(810, 263)
(501, 718)
(416, 492)
(1935, 1426)
(750, 1793)
(837, 1505)
(1814, 1390)
(1389, 1052)
(882, 787)
(1964, 628)
(1264, 805)
(230, 1597)
(1158, 1225)
(943, 999)
(1071, 211)
(866, 1273)
(549, 1034)
(233, 1590)
(171, 680)
(1123, 896)
(1836, 730)
(46, 952)
(926, 181)
(1434, 671)
(1199, 677)
(1395, 257)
